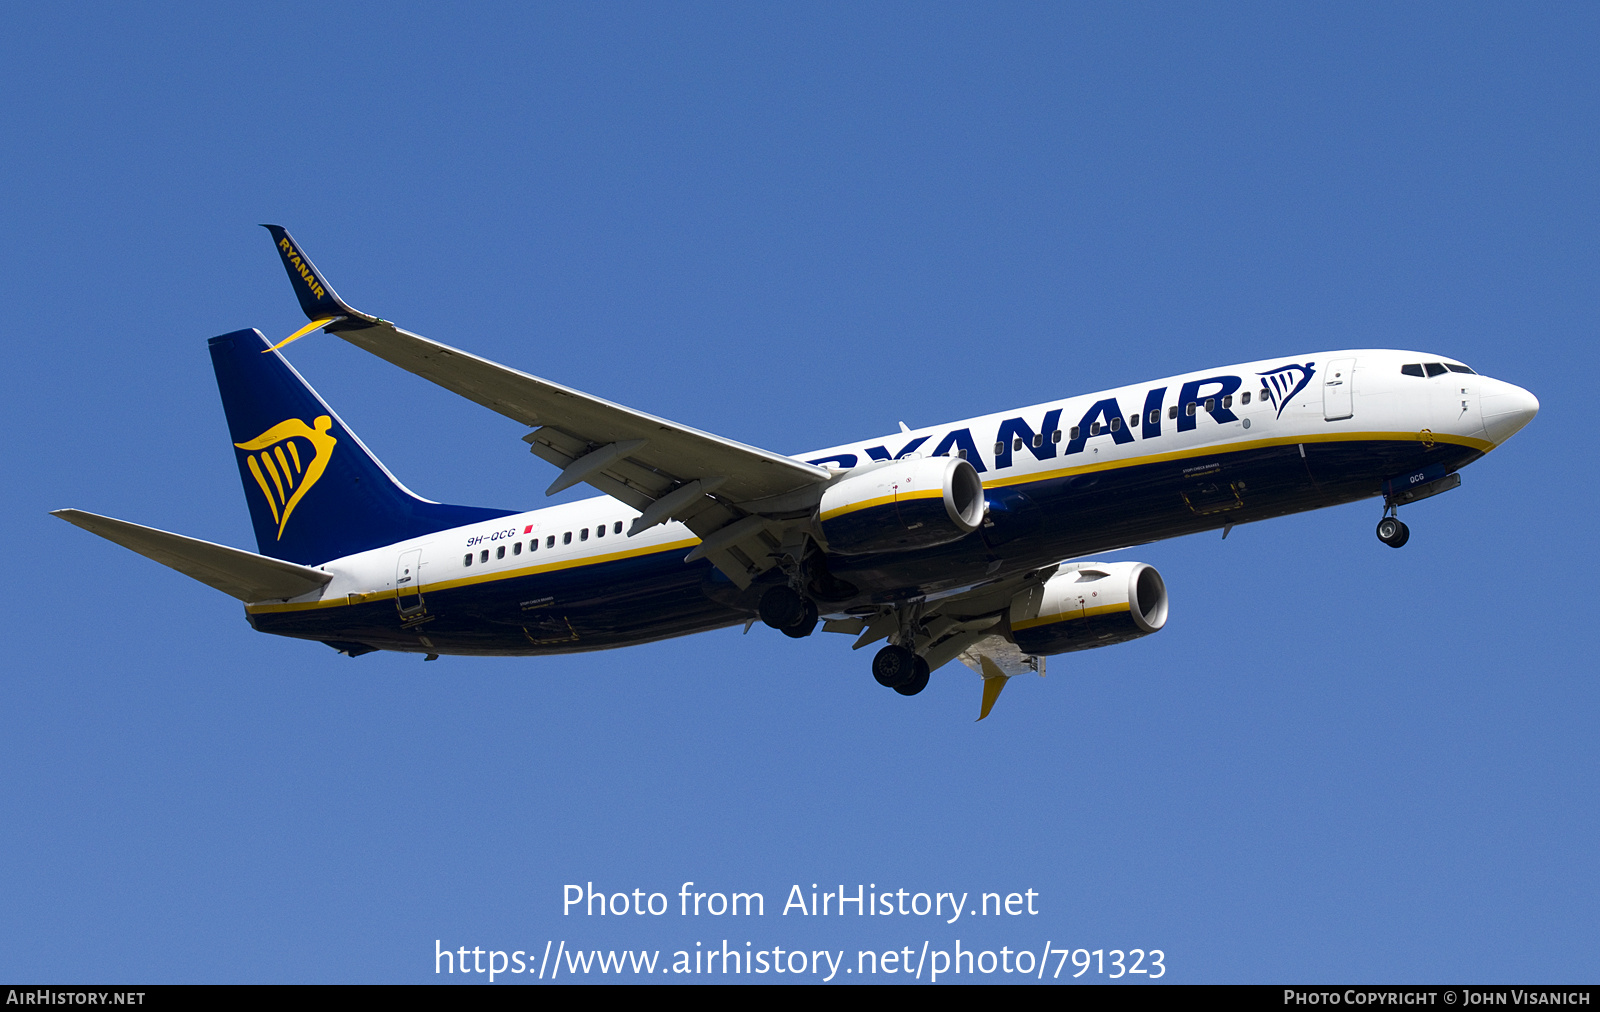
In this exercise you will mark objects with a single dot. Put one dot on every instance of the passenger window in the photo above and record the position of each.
(533, 546)
(1055, 437)
(516, 549)
(566, 539)
(1155, 415)
(484, 556)
(1435, 369)
(1116, 424)
(600, 531)
(1244, 398)
(1188, 409)
(1211, 404)
(583, 535)
(1094, 428)
(468, 560)
(1038, 440)
(1016, 444)
(1264, 394)
(550, 542)
(1074, 432)
(500, 552)
(1133, 421)
(999, 448)
(1227, 401)
(616, 528)
(961, 453)
(1172, 412)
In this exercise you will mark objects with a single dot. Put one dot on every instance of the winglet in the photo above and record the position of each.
(318, 300)
(994, 680)
(317, 297)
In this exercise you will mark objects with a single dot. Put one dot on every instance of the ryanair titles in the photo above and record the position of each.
(1105, 418)
(292, 257)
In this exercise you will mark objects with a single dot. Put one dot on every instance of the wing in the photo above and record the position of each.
(739, 500)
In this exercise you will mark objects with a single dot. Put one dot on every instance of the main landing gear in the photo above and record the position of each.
(901, 670)
(785, 610)
(793, 614)
(1392, 532)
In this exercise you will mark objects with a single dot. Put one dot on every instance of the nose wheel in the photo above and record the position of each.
(1392, 532)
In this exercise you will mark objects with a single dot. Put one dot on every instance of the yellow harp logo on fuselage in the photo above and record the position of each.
(286, 460)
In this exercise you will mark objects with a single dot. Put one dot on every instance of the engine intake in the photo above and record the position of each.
(902, 505)
(1088, 605)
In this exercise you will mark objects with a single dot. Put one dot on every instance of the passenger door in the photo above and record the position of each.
(1337, 386)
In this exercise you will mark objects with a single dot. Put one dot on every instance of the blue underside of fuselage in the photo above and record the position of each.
(656, 596)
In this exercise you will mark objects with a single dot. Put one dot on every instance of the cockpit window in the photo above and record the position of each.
(1434, 369)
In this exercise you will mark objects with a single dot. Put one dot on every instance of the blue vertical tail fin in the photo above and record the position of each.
(315, 492)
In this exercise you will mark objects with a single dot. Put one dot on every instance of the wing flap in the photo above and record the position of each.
(244, 575)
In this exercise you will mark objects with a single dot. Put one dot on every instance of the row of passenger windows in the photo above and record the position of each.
(1115, 425)
(1433, 369)
(1055, 437)
(549, 542)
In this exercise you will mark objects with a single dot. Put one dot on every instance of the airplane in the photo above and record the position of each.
(967, 541)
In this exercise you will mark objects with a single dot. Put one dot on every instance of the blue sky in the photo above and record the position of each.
(797, 227)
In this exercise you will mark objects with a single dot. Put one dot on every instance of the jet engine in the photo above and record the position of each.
(1087, 605)
(902, 505)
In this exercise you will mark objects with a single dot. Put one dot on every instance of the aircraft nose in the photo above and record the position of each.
(1506, 409)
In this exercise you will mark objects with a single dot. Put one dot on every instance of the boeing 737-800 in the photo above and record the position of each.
(945, 542)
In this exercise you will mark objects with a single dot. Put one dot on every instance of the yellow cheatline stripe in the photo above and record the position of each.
(866, 504)
(1020, 479)
(303, 331)
(467, 581)
(883, 500)
(1071, 616)
(1221, 449)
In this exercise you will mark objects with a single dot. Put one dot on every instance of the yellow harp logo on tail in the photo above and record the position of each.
(286, 460)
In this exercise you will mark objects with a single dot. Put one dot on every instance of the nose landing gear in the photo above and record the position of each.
(1392, 532)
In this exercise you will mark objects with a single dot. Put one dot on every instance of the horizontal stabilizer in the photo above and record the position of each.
(244, 575)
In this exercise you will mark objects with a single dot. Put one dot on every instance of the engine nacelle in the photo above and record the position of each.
(1087, 605)
(902, 505)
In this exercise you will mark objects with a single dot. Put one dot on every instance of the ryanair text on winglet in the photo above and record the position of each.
(293, 256)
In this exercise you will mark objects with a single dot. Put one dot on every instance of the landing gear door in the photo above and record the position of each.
(1337, 402)
(408, 582)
